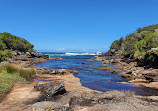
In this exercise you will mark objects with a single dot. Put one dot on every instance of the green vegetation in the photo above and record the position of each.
(9, 43)
(9, 74)
(27, 73)
(136, 45)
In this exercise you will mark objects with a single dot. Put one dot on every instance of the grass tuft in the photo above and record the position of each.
(9, 74)
(6, 82)
(11, 68)
(28, 74)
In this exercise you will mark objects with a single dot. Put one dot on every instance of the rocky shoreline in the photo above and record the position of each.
(139, 76)
(60, 90)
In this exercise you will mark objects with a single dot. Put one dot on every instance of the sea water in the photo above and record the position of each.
(93, 78)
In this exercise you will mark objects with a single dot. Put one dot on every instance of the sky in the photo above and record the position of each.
(59, 25)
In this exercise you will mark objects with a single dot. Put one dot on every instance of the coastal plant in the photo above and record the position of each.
(135, 45)
(8, 53)
(6, 82)
(138, 36)
(2, 56)
(11, 68)
(10, 74)
(11, 42)
(2, 46)
(145, 33)
(1, 68)
(28, 74)
(139, 55)
(150, 28)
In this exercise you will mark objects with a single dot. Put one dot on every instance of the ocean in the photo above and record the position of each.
(92, 78)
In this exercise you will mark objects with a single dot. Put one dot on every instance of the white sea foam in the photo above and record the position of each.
(71, 54)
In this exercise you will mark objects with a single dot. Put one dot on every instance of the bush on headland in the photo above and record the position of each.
(10, 43)
(137, 44)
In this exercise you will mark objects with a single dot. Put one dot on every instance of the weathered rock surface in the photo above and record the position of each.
(108, 101)
(130, 69)
(54, 71)
(88, 63)
(51, 89)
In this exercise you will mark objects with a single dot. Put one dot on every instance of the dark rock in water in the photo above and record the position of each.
(103, 65)
(105, 69)
(52, 88)
(88, 63)
(114, 71)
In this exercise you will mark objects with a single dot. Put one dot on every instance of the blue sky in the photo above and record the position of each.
(75, 24)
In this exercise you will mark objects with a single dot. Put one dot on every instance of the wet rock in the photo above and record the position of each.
(105, 69)
(88, 63)
(94, 67)
(114, 71)
(103, 65)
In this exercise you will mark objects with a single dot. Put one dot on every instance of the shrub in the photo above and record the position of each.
(28, 74)
(139, 30)
(11, 68)
(138, 36)
(116, 45)
(2, 56)
(139, 55)
(129, 46)
(8, 53)
(145, 33)
(135, 45)
(6, 82)
(2, 46)
(150, 28)
(12, 42)
(150, 41)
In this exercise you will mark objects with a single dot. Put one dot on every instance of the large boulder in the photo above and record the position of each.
(38, 55)
(51, 89)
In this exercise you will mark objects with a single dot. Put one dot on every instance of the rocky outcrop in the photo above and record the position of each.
(129, 69)
(150, 60)
(38, 55)
(51, 89)
(112, 101)
(151, 76)
(54, 71)
(107, 59)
